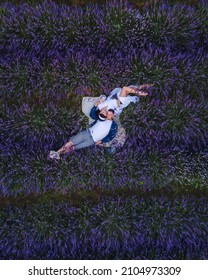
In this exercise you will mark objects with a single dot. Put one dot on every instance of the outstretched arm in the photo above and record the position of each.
(127, 90)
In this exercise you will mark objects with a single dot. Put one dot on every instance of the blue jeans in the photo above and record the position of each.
(82, 140)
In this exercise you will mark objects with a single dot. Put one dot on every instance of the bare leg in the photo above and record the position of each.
(124, 92)
(69, 146)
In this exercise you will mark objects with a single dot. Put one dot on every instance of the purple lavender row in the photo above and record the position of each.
(60, 49)
(145, 228)
(138, 168)
(180, 122)
(173, 74)
(48, 26)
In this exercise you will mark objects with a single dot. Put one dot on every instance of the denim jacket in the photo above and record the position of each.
(113, 129)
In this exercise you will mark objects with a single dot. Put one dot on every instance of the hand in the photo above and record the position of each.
(98, 143)
(97, 103)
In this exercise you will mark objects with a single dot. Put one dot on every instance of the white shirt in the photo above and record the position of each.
(100, 130)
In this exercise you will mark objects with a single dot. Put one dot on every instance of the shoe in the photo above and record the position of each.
(142, 93)
(54, 155)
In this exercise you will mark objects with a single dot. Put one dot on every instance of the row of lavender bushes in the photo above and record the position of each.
(119, 228)
(52, 50)
(135, 169)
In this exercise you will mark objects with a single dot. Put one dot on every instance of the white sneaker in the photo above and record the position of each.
(54, 155)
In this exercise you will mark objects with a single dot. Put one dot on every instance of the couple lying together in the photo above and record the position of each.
(104, 128)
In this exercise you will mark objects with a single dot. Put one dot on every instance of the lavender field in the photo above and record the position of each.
(149, 200)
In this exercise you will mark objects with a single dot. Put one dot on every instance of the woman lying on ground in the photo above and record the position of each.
(120, 98)
(102, 130)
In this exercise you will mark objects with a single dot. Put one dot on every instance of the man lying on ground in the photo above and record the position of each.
(102, 130)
